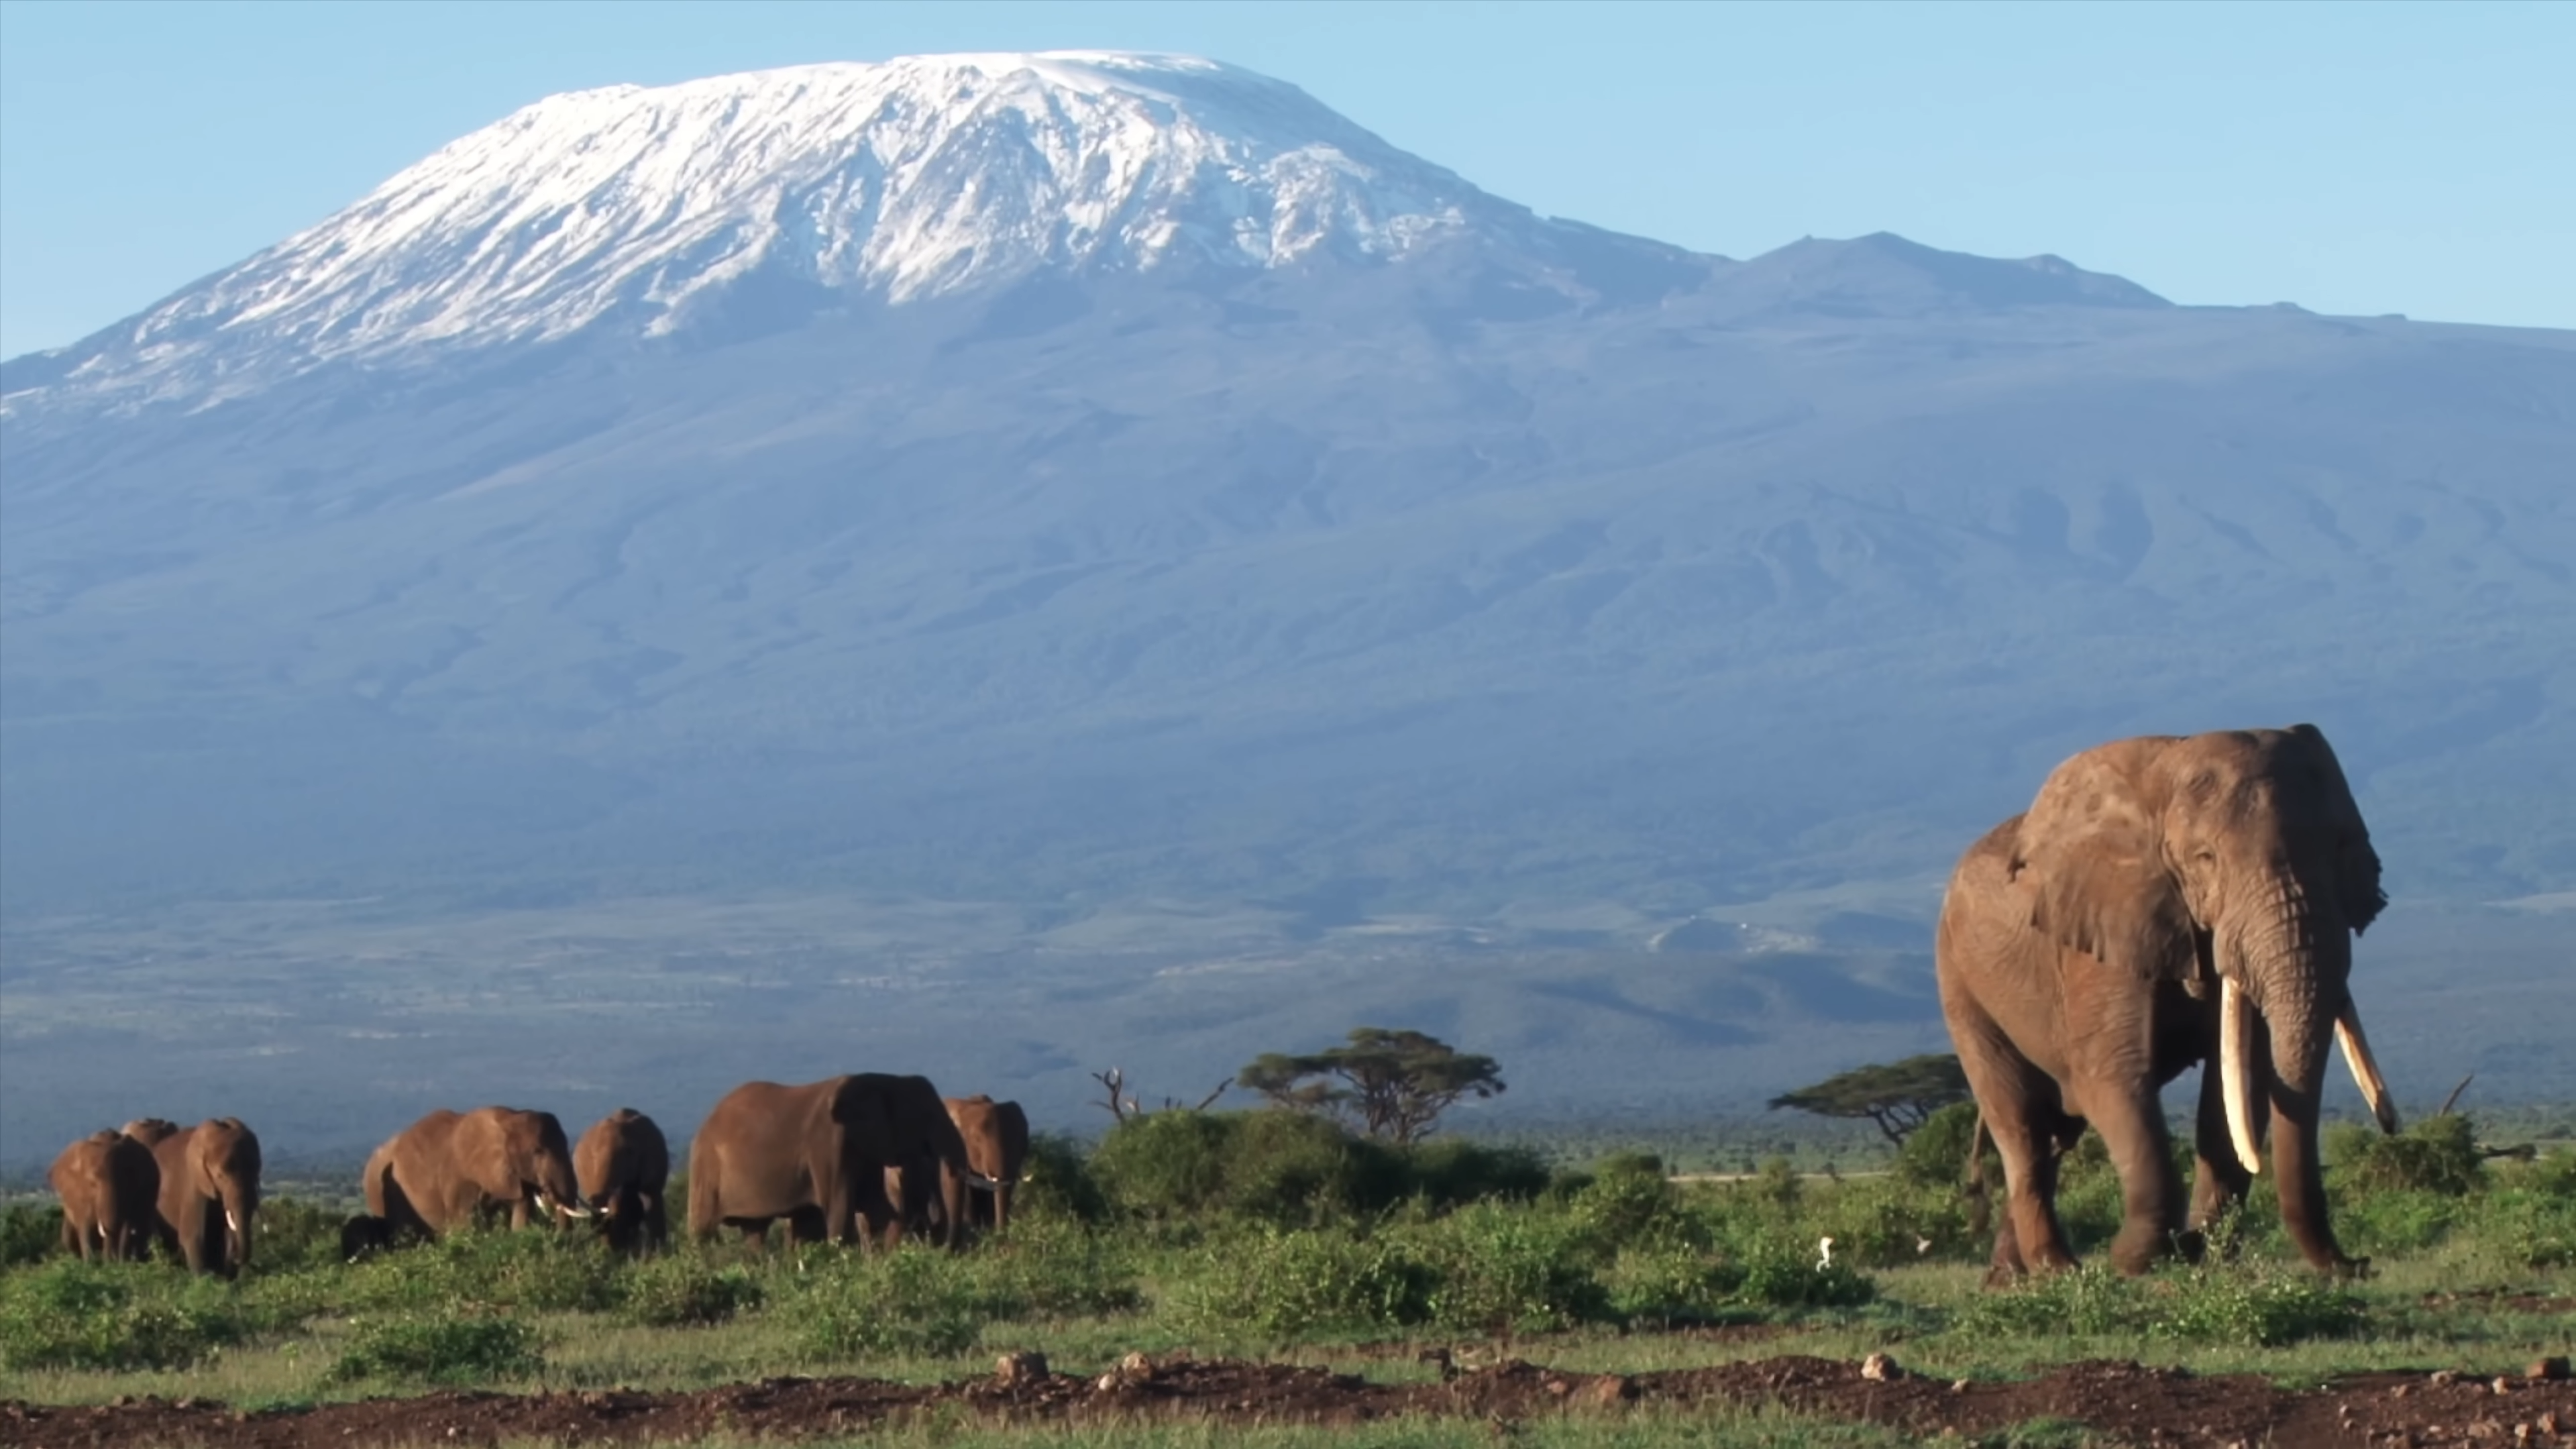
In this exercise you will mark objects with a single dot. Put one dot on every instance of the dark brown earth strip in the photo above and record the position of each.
(2144, 1406)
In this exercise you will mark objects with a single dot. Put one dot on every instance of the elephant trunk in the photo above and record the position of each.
(241, 1209)
(2294, 972)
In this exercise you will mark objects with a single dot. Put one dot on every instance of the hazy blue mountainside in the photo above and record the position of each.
(1433, 573)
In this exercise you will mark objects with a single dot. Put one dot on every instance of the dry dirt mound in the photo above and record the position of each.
(2141, 1405)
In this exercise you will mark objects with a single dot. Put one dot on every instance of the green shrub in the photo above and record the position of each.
(679, 1290)
(1627, 1200)
(1324, 1280)
(454, 1349)
(291, 1235)
(1451, 1172)
(1501, 1269)
(70, 1314)
(2375, 1223)
(1935, 1155)
(536, 1271)
(1057, 1183)
(1166, 1164)
(1672, 1282)
(2528, 1219)
(1057, 1268)
(1778, 1276)
(2205, 1305)
(28, 1234)
(912, 1301)
(2437, 1154)
(2261, 1309)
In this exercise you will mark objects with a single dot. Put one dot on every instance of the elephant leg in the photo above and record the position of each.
(2019, 1105)
(2151, 1195)
(192, 1237)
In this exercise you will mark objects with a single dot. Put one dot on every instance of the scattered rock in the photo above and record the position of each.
(1610, 1389)
(2548, 1369)
(1020, 1368)
(1958, 1386)
(1558, 1388)
(2502, 1385)
(1136, 1366)
(1878, 1368)
(2445, 1376)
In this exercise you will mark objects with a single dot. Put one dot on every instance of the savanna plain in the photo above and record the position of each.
(1264, 1277)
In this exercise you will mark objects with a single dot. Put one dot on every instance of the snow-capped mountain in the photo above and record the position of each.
(630, 207)
(1055, 509)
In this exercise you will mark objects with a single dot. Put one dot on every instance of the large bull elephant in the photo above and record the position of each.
(209, 1189)
(2165, 901)
(818, 1156)
(108, 1183)
(623, 1164)
(997, 1150)
(450, 1169)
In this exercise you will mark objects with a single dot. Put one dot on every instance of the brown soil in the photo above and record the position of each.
(2144, 1406)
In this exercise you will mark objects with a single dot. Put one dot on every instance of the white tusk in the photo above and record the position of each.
(2236, 1072)
(231, 1221)
(989, 1184)
(2365, 1068)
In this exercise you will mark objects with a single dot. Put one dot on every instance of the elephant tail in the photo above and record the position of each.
(1980, 1213)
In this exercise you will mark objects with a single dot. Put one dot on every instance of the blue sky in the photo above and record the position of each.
(2353, 158)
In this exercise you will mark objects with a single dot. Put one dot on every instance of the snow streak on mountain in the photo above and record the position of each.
(920, 176)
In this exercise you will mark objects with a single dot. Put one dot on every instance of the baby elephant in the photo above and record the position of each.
(363, 1235)
(623, 1165)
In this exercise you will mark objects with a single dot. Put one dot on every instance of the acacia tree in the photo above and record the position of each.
(1390, 1085)
(1898, 1096)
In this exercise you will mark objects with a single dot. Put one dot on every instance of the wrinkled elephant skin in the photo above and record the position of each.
(623, 1164)
(2164, 901)
(108, 1183)
(450, 1169)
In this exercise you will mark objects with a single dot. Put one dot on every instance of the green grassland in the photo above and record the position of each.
(1274, 1236)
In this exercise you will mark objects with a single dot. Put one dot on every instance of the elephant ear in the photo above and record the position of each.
(2091, 851)
(2357, 888)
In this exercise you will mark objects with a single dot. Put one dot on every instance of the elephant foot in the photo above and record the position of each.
(2191, 1245)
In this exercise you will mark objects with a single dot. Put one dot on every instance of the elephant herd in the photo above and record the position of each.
(861, 1158)
(2165, 901)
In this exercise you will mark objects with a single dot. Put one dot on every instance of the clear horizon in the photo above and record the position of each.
(2389, 158)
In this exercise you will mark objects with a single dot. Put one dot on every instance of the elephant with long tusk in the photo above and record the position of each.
(2165, 901)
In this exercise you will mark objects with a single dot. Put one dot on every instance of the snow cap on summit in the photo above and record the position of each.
(900, 180)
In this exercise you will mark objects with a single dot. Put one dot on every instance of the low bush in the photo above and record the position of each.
(291, 1235)
(1057, 1182)
(679, 1290)
(2435, 1155)
(1777, 1275)
(1452, 1172)
(28, 1234)
(70, 1314)
(1499, 1269)
(1284, 1284)
(536, 1271)
(446, 1348)
(2206, 1305)
(1055, 1268)
(914, 1301)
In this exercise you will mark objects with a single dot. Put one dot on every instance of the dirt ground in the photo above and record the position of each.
(2144, 1406)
